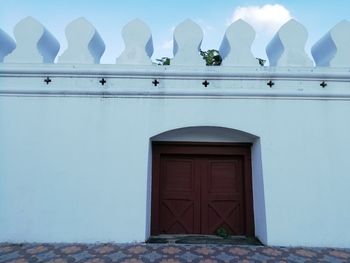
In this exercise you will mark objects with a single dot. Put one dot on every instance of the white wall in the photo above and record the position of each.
(75, 152)
(74, 169)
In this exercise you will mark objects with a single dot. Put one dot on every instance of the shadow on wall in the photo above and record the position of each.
(219, 135)
(205, 134)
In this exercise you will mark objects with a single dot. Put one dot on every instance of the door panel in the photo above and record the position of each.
(222, 195)
(179, 195)
(224, 176)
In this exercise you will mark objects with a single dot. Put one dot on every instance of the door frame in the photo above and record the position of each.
(202, 148)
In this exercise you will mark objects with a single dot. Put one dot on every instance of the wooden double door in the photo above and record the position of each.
(200, 188)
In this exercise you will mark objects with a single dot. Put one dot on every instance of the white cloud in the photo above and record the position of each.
(204, 25)
(266, 19)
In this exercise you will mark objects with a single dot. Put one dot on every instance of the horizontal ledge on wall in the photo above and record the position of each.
(174, 72)
(183, 94)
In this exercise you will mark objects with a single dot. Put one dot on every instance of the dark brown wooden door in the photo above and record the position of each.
(179, 203)
(198, 188)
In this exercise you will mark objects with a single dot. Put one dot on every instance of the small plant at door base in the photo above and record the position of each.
(222, 232)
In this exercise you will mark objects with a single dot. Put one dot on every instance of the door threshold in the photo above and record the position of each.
(204, 239)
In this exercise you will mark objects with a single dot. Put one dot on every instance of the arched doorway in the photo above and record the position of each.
(202, 182)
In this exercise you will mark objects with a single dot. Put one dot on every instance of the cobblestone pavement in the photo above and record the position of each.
(165, 253)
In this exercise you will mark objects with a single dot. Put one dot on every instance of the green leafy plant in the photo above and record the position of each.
(222, 232)
(261, 61)
(164, 61)
(212, 57)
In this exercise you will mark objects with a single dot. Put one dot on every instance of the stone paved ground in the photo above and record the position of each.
(165, 253)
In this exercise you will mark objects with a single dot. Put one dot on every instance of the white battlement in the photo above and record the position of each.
(28, 66)
(85, 45)
(38, 46)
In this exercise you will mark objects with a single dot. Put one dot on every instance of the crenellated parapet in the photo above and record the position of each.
(138, 44)
(287, 48)
(235, 48)
(38, 46)
(7, 45)
(86, 46)
(188, 38)
(29, 64)
(333, 50)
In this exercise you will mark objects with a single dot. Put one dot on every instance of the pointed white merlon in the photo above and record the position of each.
(333, 50)
(138, 44)
(35, 44)
(287, 48)
(7, 45)
(188, 38)
(85, 46)
(235, 48)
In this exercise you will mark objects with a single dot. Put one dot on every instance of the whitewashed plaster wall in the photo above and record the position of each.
(75, 154)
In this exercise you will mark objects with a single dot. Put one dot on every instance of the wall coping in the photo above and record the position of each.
(174, 81)
(192, 72)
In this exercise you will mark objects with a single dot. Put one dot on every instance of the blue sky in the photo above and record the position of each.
(109, 17)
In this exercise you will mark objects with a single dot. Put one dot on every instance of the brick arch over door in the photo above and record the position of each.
(201, 180)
